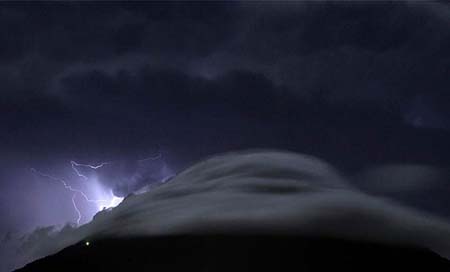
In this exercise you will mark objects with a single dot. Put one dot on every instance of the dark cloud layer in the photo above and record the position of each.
(121, 69)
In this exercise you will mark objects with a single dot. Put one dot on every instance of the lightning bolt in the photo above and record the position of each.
(74, 165)
(76, 208)
(71, 189)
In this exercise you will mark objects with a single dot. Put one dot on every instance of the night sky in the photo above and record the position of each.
(356, 84)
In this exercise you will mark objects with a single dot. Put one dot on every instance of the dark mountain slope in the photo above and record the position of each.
(238, 253)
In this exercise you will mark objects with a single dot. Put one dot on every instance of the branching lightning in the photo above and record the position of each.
(74, 165)
(78, 192)
(71, 189)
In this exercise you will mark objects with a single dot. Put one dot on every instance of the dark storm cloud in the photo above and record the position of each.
(293, 29)
(124, 111)
(346, 53)
(93, 31)
(353, 51)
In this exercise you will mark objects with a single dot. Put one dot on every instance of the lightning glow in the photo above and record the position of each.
(107, 200)
(71, 189)
(113, 202)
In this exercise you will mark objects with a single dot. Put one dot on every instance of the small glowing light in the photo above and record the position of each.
(87, 243)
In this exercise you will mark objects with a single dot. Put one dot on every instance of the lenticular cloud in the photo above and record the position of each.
(263, 192)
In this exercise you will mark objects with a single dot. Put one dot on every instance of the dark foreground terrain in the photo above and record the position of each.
(238, 253)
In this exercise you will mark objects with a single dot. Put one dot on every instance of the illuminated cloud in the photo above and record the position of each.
(256, 192)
